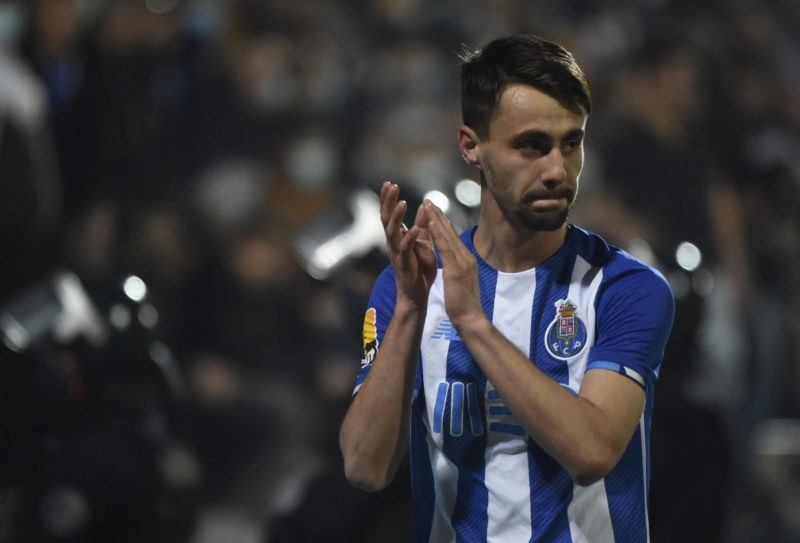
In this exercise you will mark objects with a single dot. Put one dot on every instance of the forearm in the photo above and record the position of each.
(585, 436)
(374, 434)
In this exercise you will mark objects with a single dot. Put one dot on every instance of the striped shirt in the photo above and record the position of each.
(476, 473)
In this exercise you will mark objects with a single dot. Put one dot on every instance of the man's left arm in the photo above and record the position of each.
(586, 433)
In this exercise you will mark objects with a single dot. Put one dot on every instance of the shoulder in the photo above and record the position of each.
(384, 286)
(615, 262)
(623, 275)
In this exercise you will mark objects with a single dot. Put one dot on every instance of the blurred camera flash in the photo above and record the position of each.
(134, 288)
(688, 256)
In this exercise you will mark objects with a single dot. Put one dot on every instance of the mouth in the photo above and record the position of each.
(549, 199)
(545, 204)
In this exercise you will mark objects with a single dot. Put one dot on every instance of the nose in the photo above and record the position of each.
(554, 172)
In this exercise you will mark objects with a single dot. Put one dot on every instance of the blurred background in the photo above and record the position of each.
(189, 234)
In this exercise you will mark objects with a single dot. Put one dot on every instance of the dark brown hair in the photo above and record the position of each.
(524, 59)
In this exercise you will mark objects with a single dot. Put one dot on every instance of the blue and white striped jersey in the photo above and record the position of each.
(477, 475)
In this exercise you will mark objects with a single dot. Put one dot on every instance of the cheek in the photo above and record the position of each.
(574, 166)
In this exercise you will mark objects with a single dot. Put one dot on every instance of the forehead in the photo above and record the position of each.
(522, 107)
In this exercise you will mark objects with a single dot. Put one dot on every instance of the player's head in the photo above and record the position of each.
(525, 59)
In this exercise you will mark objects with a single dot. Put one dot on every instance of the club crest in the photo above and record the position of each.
(566, 335)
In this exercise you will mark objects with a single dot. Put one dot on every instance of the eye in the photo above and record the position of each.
(537, 145)
(573, 144)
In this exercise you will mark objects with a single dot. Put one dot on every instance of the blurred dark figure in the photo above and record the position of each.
(116, 79)
(90, 397)
(757, 121)
(342, 513)
(692, 464)
(53, 44)
(30, 185)
(662, 193)
(247, 348)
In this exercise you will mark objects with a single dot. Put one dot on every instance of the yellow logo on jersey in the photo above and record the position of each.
(369, 337)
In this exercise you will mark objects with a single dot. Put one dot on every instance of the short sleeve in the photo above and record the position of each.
(376, 320)
(634, 313)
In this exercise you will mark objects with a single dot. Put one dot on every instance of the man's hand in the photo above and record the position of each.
(459, 269)
(410, 250)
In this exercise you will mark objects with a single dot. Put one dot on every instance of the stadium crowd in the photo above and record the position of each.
(191, 143)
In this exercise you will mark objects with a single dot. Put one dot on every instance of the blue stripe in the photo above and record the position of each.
(475, 420)
(513, 429)
(551, 492)
(626, 502)
(469, 516)
(438, 409)
(499, 410)
(551, 485)
(457, 409)
(550, 289)
(613, 366)
(421, 476)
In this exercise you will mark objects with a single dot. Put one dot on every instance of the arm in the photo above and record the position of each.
(586, 433)
(374, 434)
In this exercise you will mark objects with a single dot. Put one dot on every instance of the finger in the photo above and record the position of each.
(443, 232)
(416, 235)
(421, 219)
(390, 193)
(433, 212)
(422, 234)
(394, 227)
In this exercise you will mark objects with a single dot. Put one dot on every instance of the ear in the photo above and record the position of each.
(469, 144)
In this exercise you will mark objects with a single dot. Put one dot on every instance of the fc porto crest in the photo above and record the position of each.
(566, 335)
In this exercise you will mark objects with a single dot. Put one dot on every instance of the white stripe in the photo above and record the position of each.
(445, 474)
(589, 514)
(643, 444)
(507, 479)
(445, 477)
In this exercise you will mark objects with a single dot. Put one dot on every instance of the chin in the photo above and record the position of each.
(543, 222)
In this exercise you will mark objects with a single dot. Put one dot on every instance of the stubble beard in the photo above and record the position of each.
(541, 221)
(522, 211)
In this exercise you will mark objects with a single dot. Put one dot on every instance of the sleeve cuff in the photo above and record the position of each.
(619, 368)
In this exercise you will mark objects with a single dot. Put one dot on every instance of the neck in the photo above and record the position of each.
(510, 250)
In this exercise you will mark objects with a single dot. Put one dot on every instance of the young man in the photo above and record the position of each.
(518, 358)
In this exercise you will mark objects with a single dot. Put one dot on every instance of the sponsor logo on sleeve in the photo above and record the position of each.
(369, 337)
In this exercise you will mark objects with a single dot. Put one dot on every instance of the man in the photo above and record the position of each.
(520, 357)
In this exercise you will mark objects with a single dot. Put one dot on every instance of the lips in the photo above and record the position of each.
(548, 198)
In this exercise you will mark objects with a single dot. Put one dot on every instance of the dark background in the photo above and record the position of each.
(192, 143)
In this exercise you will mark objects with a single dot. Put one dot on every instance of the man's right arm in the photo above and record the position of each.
(374, 434)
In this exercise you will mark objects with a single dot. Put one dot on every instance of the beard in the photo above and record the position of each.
(544, 220)
(522, 211)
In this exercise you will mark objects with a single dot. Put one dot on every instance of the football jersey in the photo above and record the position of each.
(476, 473)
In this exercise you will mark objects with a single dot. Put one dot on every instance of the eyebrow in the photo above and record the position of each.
(575, 133)
(540, 135)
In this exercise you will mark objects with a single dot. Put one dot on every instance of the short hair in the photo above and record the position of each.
(523, 59)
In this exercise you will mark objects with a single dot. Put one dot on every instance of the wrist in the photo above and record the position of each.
(409, 307)
(475, 327)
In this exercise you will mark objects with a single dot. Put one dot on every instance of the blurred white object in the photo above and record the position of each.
(334, 239)
(59, 309)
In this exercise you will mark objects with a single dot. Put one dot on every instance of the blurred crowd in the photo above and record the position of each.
(188, 145)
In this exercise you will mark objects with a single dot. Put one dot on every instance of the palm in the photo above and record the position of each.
(410, 250)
